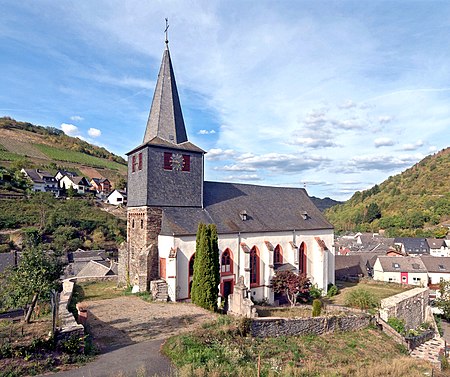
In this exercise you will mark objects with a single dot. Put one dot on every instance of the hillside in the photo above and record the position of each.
(324, 203)
(49, 148)
(413, 203)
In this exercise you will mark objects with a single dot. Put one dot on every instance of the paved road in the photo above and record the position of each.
(129, 361)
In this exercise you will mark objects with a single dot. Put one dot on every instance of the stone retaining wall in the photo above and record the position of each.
(273, 327)
(67, 324)
(95, 278)
(410, 306)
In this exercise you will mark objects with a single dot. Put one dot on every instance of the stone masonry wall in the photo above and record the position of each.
(410, 306)
(140, 261)
(273, 327)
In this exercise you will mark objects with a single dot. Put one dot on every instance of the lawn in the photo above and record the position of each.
(96, 290)
(378, 288)
(223, 349)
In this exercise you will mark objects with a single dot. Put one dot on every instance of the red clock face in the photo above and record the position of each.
(177, 162)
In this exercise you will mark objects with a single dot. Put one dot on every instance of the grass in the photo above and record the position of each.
(96, 290)
(220, 350)
(78, 157)
(379, 289)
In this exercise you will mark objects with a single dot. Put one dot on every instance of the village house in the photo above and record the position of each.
(61, 173)
(412, 246)
(101, 185)
(117, 197)
(42, 181)
(405, 270)
(260, 228)
(438, 247)
(79, 184)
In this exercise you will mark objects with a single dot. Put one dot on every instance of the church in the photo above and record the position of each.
(261, 229)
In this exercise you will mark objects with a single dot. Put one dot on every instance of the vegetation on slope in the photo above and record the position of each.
(413, 203)
(225, 349)
(55, 136)
(61, 225)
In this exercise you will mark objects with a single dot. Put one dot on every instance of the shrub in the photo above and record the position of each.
(361, 298)
(332, 290)
(315, 292)
(316, 307)
(397, 324)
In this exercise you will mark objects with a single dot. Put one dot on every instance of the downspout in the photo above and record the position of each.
(239, 256)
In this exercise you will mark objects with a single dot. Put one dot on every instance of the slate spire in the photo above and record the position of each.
(166, 119)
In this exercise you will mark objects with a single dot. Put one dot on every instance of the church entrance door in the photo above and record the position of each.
(162, 268)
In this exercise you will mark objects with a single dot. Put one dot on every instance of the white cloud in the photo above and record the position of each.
(383, 142)
(309, 142)
(220, 154)
(206, 132)
(348, 104)
(412, 146)
(384, 119)
(70, 129)
(94, 132)
(384, 162)
(76, 118)
(244, 177)
(234, 168)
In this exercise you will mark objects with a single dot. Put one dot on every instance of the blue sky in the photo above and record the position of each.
(332, 95)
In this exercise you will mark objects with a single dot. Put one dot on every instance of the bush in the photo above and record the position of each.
(316, 307)
(397, 324)
(361, 298)
(315, 292)
(332, 290)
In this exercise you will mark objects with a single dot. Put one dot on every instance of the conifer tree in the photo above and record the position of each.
(206, 278)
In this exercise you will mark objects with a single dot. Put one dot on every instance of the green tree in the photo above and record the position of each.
(443, 302)
(206, 278)
(121, 183)
(372, 212)
(34, 277)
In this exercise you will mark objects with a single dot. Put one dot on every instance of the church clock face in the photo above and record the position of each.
(177, 161)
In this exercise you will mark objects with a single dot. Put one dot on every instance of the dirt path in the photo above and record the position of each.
(129, 333)
(128, 319)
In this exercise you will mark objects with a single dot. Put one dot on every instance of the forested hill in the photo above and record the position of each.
(413, 203)
(40, 147)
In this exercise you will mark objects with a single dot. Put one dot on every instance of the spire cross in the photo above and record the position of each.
(165, 31)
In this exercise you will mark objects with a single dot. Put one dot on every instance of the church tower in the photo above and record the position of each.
(166, 170)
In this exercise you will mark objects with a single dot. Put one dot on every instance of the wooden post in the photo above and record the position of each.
(259, 365)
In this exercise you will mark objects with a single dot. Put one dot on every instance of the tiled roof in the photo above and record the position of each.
(413, 245)
(402, 264)
(94, 268)
(435, 243)
(268, 209)
(436, 264)
(7, 260)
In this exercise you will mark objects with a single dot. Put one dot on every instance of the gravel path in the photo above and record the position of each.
(129, 333)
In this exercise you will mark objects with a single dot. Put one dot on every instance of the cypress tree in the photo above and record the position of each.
(206, 277)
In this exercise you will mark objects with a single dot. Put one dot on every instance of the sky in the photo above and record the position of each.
(334, 96)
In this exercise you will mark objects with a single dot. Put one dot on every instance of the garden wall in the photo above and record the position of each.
(67, 324)
(273, 327)
(410, 306)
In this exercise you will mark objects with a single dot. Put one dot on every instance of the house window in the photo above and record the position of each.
(140, 161)
(186, 163)
(133, 163)
(132, 223)
(403, 278)
(395, 265)
(277, 255)
(390, 279)
(226, 262)
(142, 224)
(302, 260)
(254, 267)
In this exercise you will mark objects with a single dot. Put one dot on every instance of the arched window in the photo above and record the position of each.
(254, 266)
(278, 255)
(302, 260)
(226, 265)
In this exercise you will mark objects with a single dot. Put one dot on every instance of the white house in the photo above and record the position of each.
(438, 268)
(261, 229)
(42, 180)
(117, 197)
(405, 270)
(80, 184)
(438, 247)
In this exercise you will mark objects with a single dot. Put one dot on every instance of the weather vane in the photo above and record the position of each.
(165, 31)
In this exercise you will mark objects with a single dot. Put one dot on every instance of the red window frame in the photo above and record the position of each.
(186, 163)
(226, 265)
(140, 161)
(254, 267)
(278, 255)
(167, 161)
(133, 163)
